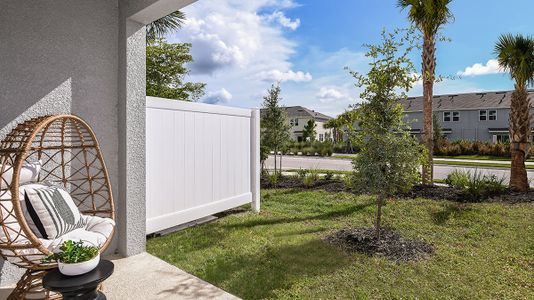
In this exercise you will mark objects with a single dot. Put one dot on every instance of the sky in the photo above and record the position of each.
(240, 48)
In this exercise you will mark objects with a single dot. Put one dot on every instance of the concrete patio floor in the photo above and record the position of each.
(144, 276)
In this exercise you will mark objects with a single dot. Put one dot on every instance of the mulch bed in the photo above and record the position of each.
(391, 245)
(454, 194)
(419, 191)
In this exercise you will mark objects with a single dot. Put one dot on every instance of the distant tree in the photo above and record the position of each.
(166, 72)
(309, 132)
(274, 125)
(428, 16)
(389, 157)
(343, 125)
(158, 29)
(516, 55)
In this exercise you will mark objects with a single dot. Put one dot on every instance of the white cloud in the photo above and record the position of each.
(277, 75)
(326, 95)
(491, 67)
(228, 34)
(284, 21)
(218, 97)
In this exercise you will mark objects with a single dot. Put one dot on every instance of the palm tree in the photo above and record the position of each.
(516, 55)
(428, 16)
(160, 27)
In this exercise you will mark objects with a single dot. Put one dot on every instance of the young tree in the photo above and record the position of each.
(309, 131)
(516, 55)
(389, 157)
(166, 72)
(274, 125)
(428, 16)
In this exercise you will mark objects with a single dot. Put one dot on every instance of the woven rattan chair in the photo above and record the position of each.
(70, 156)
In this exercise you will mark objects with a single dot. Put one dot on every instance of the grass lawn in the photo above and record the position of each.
(484, 251)
(478, 157)
(477, 164)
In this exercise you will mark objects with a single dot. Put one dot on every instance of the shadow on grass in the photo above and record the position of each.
(441, 217)
(260, 275)
(324, 216)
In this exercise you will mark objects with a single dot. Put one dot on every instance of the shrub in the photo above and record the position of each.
(311, 177)
(458, 179)
(273, 178)
(476, 185)
(301, 173)
(463, 147)
(328, 175)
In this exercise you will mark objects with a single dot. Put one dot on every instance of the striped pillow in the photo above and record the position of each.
(53, 211)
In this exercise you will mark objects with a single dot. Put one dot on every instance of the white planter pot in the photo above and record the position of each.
(78, 268)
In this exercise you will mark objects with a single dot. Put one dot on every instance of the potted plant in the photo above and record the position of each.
(75, 258)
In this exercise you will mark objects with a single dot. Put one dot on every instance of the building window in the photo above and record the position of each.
(487, 115)
(321, 137)
(291, 123)
(447, 116)
(455, 116)
(483, 115)
(492, 115)
(501, 138)
(296, 122)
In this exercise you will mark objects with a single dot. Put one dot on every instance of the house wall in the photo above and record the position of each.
(85, 58)
(468, 128)
(60, 57)
(296, 131)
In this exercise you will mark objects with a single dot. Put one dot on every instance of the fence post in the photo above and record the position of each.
(255, 159)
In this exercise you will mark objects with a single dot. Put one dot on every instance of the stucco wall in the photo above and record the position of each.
(60, 57)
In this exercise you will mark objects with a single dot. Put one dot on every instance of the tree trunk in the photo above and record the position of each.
(281, 156)
(429, 67)
(275, 153)
(520, 131)
(379, 202)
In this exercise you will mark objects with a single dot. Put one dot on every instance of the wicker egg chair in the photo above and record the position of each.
(70, 156)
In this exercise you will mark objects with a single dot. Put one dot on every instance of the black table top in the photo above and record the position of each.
(56, 281)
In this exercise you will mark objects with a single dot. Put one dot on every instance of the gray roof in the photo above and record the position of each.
(482, 100)
(300, 111)
(303, 112)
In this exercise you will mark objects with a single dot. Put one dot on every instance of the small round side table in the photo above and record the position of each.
(81, 287)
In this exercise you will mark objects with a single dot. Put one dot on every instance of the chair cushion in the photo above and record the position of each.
(12, 228)
(28, 173)
(96, 230)
(53, 211)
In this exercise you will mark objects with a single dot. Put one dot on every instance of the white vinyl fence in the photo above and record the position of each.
(200, 159)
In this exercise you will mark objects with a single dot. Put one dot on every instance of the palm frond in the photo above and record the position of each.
(515, 54)
(160, 27)
(427, 15)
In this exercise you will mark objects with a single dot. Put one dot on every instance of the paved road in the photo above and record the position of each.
(440, 171)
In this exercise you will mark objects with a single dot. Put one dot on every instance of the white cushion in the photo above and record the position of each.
(95, 232)
(6, 210)
(28, 173)
(53, 211)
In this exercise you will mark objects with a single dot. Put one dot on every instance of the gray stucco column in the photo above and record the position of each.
(132, 97)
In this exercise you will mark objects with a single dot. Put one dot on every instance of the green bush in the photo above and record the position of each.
(328, 175)
(458, 179)
(464, 147)
(476, 185)
(325, 148)
(311, 177)
(301, 173)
